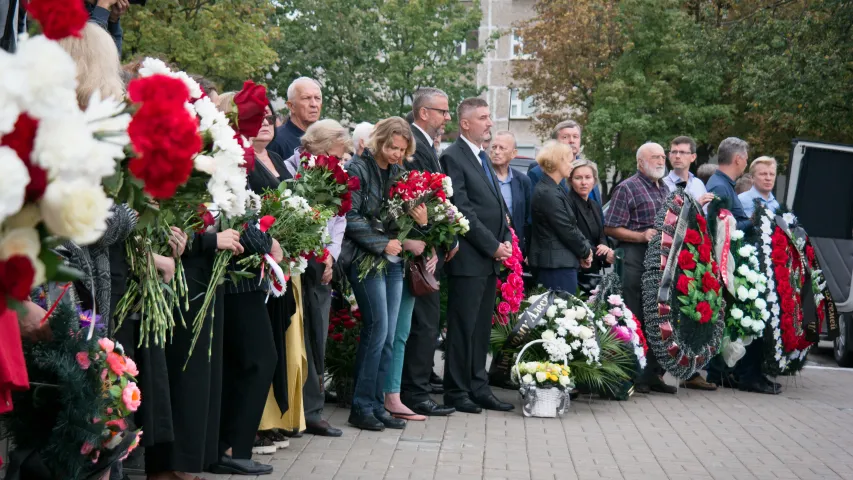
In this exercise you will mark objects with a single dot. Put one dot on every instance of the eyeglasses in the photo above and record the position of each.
(675, 153)
(270, 119)
(445, 113)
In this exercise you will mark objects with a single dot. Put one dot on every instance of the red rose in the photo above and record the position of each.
(686, 260)
(341, 176)
(21, 140)
(206, 218)
(710, 283)
(353, 183)
(251, 104)
(165, 138)
(59, 18)
(715, 269)
(338, 337)
(704, 253)
(705, 312)
(159, 89)
(692, 237)
(683, 284)
(16, 279)
(703, 224)
(266, 222)
(349, 324)
(331, 328)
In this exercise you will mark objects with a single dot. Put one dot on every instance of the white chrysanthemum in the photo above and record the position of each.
(76, 209)
(14, 179)
(51, 78)
(153, 66)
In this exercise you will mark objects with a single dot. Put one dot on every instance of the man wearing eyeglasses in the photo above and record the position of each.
(682, 153)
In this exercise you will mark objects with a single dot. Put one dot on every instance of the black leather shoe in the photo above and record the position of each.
(323, 429)
(365, 422)
(774, 385)
(492, 403)
(389, 421)
(465, 405)
(660, 386)
(758, 387)
(430, 408)
(239, 466)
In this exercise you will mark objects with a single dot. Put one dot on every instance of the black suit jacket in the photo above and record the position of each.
(555, 239)
(591, 224)
(425, 159)
(482, 206)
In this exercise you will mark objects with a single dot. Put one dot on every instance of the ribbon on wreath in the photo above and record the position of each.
(723, 248)
(677, 241)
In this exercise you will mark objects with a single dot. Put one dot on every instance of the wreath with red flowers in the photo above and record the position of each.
(682, 294)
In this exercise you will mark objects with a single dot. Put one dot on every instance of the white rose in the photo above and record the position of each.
(761, 287)
(527, 378)
(765, 315)
(745, 251)
(76, 210)
(746, 322)
(743, 270)
(541, 376)
(757, 326)
(742, 293)
(580, 313)
(14, 179)
(760, 303)
(564, 380)
(737, 313)
(752, 277)
(753, 294)
(585, 333)
(552, 311)
(24, 242)
(737, 235)
(548, 335)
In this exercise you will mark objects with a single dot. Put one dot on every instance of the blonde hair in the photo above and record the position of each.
(552, 154)
(226, 103)
(98, 64)
(769, 161)
(580, 163)
(322, 135)
(383, 135)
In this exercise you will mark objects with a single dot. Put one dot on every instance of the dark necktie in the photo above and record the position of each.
(681, 184)
(484, 161)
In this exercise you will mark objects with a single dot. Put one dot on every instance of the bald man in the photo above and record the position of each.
(305, 103)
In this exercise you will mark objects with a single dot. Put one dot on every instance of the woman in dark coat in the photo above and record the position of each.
(557, 247)
(590, 220)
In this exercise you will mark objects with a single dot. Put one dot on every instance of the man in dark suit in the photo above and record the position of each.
(515, 186)
(430, 112)
(472, 273)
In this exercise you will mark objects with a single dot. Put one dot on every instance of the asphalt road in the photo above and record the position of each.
(822, 356)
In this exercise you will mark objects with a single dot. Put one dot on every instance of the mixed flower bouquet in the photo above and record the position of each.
(53, 155)
(510, 292)
(323, 182)
(622, 322)
(543, 375)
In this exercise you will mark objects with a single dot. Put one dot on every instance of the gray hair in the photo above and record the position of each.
(424, 96)
(323, 135)
(361, 131)
(507, 133)
(564, 125)
(643, 148)
(468, 105)
(291, 90)
(729, 148)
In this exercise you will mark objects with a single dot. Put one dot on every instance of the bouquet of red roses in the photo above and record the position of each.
(323, 182)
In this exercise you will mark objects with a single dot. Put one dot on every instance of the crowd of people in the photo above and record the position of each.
(263, 380)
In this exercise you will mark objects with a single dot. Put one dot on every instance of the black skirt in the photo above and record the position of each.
(280, 310)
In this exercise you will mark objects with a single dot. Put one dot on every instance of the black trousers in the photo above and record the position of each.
(249, 361)
(469, 324)
(632, 293)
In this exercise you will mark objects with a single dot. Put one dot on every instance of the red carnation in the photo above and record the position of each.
(251, 104)
(704, 253)
(710, 283)
(16, 279)
(692, 237)
(160, 89)
(703, 224)
(21, 140)
(779, 256)
(686, 260)
(59, 18)
(683, 284)
(338, 337)
(810, 254)
(705, 312)
(353, 183)
(778, 240)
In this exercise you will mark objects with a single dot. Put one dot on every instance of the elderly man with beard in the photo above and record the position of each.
(631, 220)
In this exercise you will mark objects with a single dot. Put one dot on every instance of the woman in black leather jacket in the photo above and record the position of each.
(557, 246)
(590, 220)
(369, 238)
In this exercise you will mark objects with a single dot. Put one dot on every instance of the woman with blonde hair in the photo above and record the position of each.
(369, 239)
(98, 64)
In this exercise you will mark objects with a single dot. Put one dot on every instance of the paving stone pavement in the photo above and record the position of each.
(804, 433)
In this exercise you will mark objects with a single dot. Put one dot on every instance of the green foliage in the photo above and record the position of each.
(370, 55)
(225, 40)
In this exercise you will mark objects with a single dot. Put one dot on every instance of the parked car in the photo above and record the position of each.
(819, 193)
(522, 164)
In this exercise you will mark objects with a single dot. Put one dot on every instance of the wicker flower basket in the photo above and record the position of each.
(542, 402)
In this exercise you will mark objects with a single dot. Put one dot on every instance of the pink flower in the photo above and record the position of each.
(499, 283)
(83, 360)
(130, 367)
(616, 312)
(109, 410)
(120, 424)
(131, 396)
(107, 345)
(503, 308)
(515, 280)
(614, 300)
(104, 375)
(622, 333)
(86, 448)
(116, 363)
(610, 320)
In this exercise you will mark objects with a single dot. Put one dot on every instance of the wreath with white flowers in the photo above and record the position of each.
(748, 314)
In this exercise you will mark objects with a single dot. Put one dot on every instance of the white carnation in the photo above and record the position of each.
(789, 218)
(77, 210)
(14, 179)
(153, 66)
(51, 78)
(65, 148)
(205, 163)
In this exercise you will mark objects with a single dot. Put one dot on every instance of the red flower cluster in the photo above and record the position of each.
(785, 258)
(16, 278)
(416, 185)
(343, 321)
(511, 291)
(704, 309)
(163, 133)
(696, 252)
(251, 104)
(59, 18)
(325, 182)
(21, 140)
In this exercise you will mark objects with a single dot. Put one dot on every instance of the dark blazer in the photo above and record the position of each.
(555, 239)
(484, 208)
(425, 159)
(521, 193)
(591, 224)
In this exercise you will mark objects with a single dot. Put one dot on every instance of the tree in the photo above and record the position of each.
(224, 40)
(370, 55)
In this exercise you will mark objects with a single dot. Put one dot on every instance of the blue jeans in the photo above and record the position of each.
(404, 326)
(378, 297)
(565, 279)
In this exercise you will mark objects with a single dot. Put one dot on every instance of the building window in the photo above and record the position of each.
(516, 45)
(471, 43)
(520, 107)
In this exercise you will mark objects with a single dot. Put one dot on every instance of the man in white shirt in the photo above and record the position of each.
(682, 153)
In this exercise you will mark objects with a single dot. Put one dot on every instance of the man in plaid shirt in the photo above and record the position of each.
(631, 220)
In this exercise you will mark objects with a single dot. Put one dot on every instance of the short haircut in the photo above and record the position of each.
(743, 183)
(706, 171)
(468, 105)
(291, 89)
(507, 133)
(586, 163)
(423, 96)
(765, 160)
(323, 135)
(361, 131)
(684, 140)
(643, 147)
(730, 147)
(383, 134)
(552, 153)
(564, 125)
